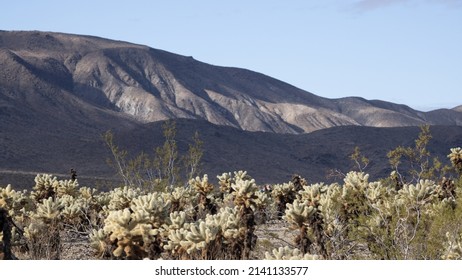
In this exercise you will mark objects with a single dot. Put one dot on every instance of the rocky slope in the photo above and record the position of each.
(53, 72)
(268, 157)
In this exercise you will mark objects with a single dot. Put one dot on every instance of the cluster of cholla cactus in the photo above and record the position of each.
(365, 219)
(14, 202)
(182, 224)
(132, 225)
(221, 218)
(41, 216)
(216, 236)
(226, 234)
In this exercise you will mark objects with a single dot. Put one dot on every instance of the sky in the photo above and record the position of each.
(402, 51)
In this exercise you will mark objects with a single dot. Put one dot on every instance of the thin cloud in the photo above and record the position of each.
(449, 3)
(368, 5)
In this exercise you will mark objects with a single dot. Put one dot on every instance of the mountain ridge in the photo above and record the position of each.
(147, 85)
(59, 93)
(268, 157)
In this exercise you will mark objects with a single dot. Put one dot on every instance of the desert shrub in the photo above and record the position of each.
(166, 168)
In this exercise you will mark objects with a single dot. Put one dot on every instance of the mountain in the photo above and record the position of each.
(60, 92)
(44, 72)
(268, 157)
(272, 157)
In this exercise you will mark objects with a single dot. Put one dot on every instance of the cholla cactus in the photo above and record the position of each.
(285, 253)
(175, 233)
(224, 182)
(245, 198)
(354, 220)
(262, 201)
(177, 220)
(7, 197)
(417, 195)
(281, 190)
(330, 206)
(312, 194)
(66, 187)
(180, 197)
(381, 202)
(120, 198)
(131, 237)
(151, 208)
(193, 238)
(218, 236)
(202, 186)
(42, 233)
(44, 187)
(48, 211)
(35, 229)
(283, 194)
(174, 244)
(199, 236)
(456, 159)
(298, 213)
(74, 210)
(204, 189)
(87, 193)
(245, 193)
(230, 224)
(375, 192)
(98, 243)
(305, 214)
(453, 247)
(353, 194)
(103, 199)
(15, 202)
(355, 182)
(241, 176)
(135, 231)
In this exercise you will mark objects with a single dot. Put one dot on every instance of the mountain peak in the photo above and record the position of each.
(458, 108)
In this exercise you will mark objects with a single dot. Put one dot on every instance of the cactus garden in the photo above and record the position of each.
(414, 213)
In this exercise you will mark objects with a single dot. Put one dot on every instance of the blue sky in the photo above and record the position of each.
(403, 51)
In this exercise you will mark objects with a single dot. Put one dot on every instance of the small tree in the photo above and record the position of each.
(166, 156)
(161, 170)
(361, 161)
(119, 161)
(192, 160)
(412, 164)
